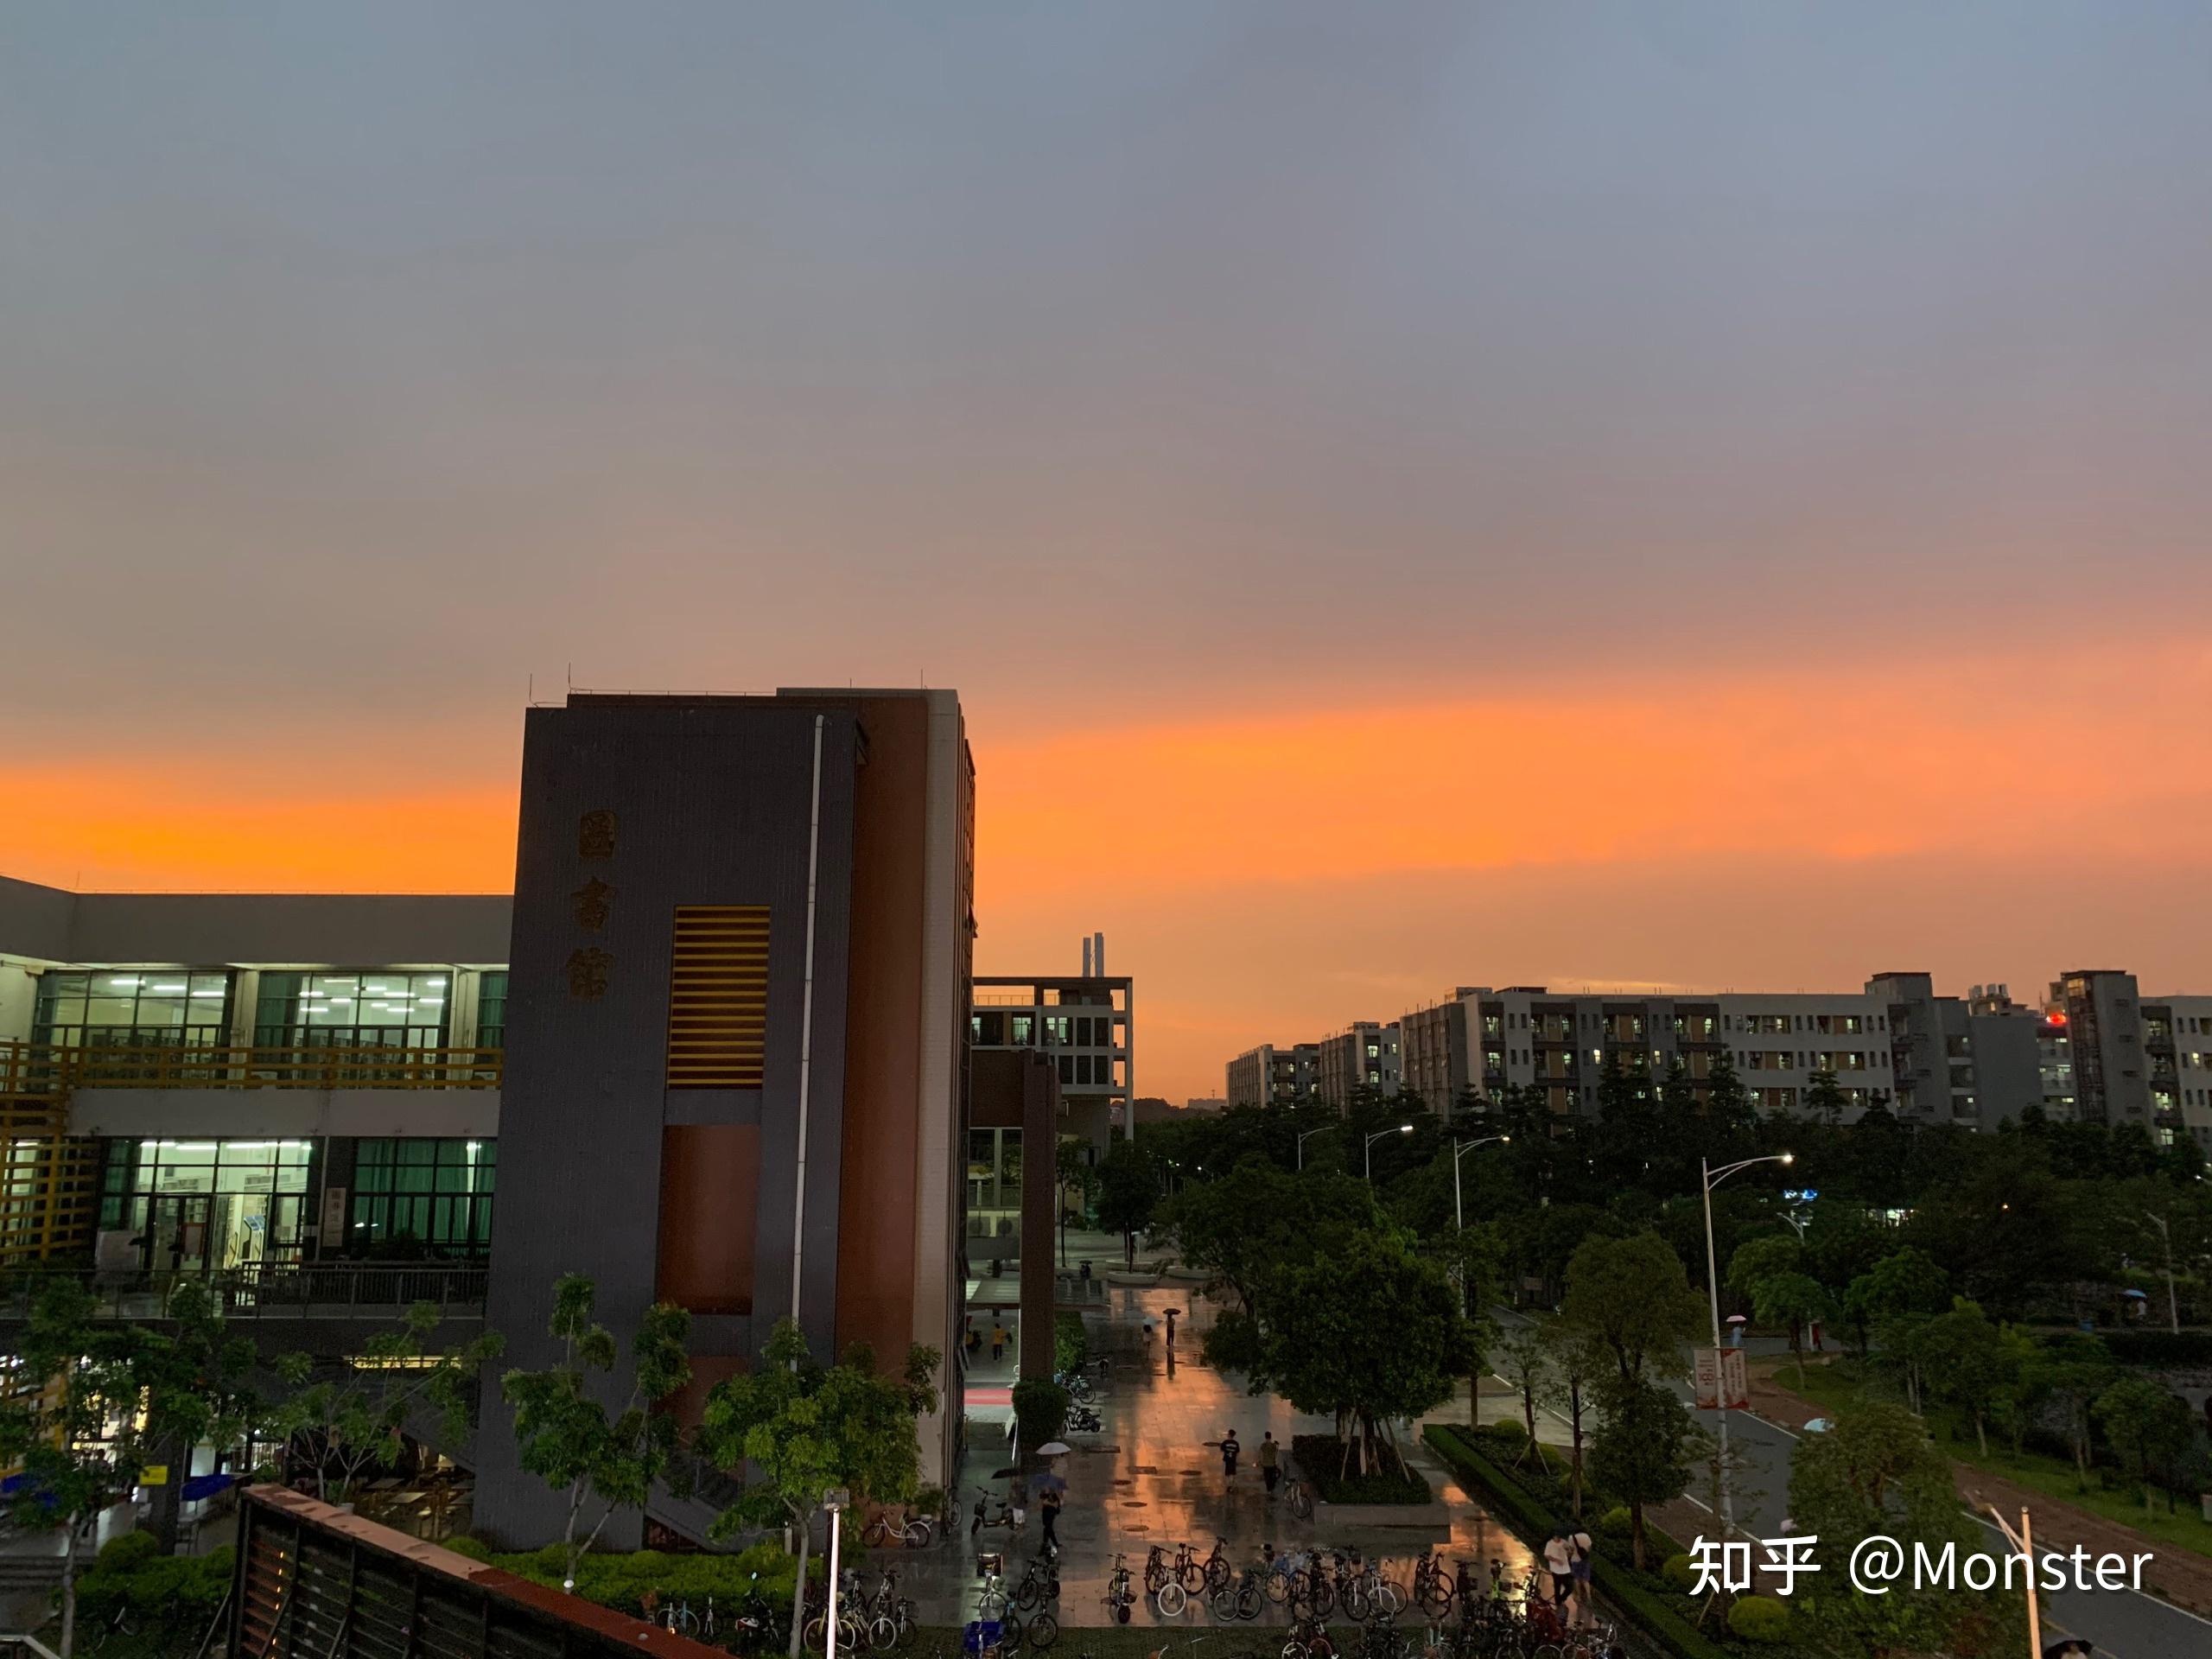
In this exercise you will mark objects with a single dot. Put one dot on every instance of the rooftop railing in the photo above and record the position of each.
(276, 1291)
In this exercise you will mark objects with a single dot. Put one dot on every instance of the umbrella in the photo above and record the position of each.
(1004, 1474)
(1054, 1449)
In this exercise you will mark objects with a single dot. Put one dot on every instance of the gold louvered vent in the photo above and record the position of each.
(718, 996)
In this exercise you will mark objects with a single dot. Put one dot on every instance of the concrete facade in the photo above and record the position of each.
(828, 1192)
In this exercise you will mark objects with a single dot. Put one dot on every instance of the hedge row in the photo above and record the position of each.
(1535, 1522)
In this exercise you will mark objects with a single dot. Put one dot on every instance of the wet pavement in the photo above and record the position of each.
(1152, 1474)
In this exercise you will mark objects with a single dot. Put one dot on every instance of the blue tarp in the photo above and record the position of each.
(201, 1486)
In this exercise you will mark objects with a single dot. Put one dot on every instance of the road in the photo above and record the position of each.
(2123, 1624)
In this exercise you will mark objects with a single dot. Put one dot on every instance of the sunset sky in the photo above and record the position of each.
(1410, 495)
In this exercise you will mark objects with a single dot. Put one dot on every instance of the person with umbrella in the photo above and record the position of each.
(1052, 1492)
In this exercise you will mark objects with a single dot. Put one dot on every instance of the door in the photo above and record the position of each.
(178, 1239)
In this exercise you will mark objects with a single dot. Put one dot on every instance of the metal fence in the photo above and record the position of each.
(319, 1290)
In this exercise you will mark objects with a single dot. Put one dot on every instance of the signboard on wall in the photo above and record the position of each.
(333, 1217)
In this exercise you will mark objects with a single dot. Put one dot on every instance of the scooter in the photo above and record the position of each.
(1009, 1516)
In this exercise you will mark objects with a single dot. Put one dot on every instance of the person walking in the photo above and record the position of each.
(998, 1339)
(1048, 1506)
(1229, 1451)
(1585, 1615)
(1270, 1461)
(1559, 1561)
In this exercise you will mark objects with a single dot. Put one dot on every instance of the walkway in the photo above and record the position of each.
(1153, 1475)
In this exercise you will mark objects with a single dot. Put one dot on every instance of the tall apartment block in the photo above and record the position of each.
(2097, 1050)
(1363, 1056)
(1268, 1073)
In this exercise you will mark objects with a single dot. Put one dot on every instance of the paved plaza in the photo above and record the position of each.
(1151, 1475)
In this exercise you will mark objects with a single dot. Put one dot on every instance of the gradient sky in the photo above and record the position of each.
(1410, 495)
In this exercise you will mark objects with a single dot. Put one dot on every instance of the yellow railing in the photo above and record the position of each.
(42, 1071)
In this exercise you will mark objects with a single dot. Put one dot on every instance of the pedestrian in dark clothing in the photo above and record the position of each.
(1270, 1461)
(1229, 1451)
(1049, 1504)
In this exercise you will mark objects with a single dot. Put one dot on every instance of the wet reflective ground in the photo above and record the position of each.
(1152, 1474)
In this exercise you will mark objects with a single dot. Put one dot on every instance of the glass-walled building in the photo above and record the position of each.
(133, 1007)
(354, 1009)
(434, 1196)
(194, 1206)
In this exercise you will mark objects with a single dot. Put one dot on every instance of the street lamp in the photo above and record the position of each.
(1304, 1138)
(1367, 1151)
(1460, 1149)
(835, 1500)
(1713, 1178)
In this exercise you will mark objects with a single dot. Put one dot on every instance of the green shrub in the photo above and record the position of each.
(127, 1553)
(621, 1580)
(1759, 1618)
(1319, 1458)
(1040, 1410)
(1071, 1342)
(1616, 1523)
(1677, 1571)
(475, 1549)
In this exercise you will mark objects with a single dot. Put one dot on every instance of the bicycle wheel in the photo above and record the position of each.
(1324, 1601)
(1010, 1633)
(1279, 1588)
(1387, 1598)
(1302, 1501)
(1549, 1651)
(916, 1534)
(1044, 1630)
(1121, 1613)
(1027, 1595)
(1248, 1603)
(882, 1632)
(1217, 1575)
(1355, 1602)
(991, 1604)
(1192, 1577)
(1172, 1598)
(1223, 1605)
(813, 1635)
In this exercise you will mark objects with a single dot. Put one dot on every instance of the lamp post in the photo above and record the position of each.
(1304, 1138)
(1713, 1178)
(1460, 1149)
(1367, 1150)
(2173, 1312)
(834, 1501)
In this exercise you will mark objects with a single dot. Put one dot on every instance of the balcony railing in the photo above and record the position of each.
(315, 1290)
(30, 1069)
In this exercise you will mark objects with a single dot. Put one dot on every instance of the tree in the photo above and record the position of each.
(199, 1391)
(1876, 1472)
(566, 1436)
(1256, 1219)
(1645, 1450)
(1574, 1363)
(1128, 1192)
(1319, 1349)
(1796, 1299)
(1824, 1100)
(2150, 1428)
(70, 1424)
(1631, 1296)
(1890, 1300)
(1076, 1171)
(798, 1429)
(1763, 1258)
(1969, 1364)
(1475, 1258)
(2073, 1369)
(1525, 1362)
(347, 1423)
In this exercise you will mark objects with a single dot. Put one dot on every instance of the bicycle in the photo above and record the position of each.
(1309, 1639)
(1297, 1492)
(1432, 1586)
(915, 1532)
(1218, 1570)
(1119, 1597)
(1039, 1584)
(1239, 1600)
